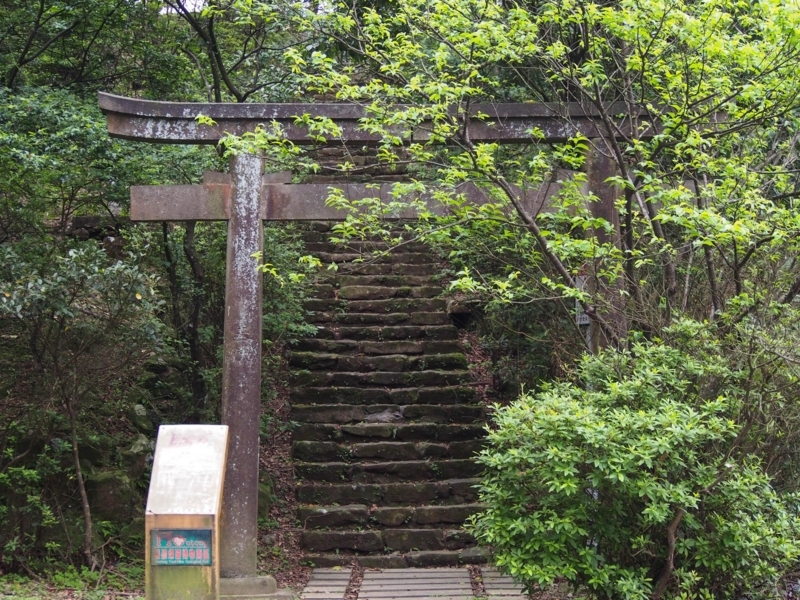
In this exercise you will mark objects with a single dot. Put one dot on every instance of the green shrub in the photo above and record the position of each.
(629, 484)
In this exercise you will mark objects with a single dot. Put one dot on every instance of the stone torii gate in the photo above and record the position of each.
(246, 197)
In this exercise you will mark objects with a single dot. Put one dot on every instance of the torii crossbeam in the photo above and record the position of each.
(246, 197)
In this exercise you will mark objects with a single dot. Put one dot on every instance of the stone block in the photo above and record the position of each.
(429, 318)
(313, 517)
(437, 378)
(426, 291)
(386, 451)
(458, 469)
(409, 492)
(452, 433)
(416, 431)
(441, 332)
(457, 539)
(391, 347)
(392, 516)
(391, 362)
(393, 305)
(447, 395)
(370, 430)
(373, 319)
(427, 450)
(386, 472)
(323, 561)
(309, 378)
(473, 556)
(453, 413)
(466, 449)
(413, 258)
(331, 471)
(368, 292)
(362, 541)
(450, 362)
(315, 361)
(464, 488)
(316, 493)
(415, 269)
(458, 513)
(404, 540)
(336, 413)
(432, 558)
(339, 395)
(314, 432)
(385, 561)
(319, 451)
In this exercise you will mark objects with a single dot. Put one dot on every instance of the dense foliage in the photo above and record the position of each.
(107, 328)
(637, 468)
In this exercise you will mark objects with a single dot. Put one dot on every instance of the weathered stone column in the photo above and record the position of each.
(241, 375)
(599, 167)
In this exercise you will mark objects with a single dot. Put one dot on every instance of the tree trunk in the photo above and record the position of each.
(88, 554)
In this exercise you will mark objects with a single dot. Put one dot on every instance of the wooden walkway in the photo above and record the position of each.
(501, 587)
(326, 584)
(417, 584)
(411, 584)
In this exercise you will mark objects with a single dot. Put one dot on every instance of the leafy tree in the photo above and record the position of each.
(89, 322)
(122, 45)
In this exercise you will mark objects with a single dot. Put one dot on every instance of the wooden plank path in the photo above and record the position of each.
(501, 587)
(412, 584)
(416, 584)
(326, 584)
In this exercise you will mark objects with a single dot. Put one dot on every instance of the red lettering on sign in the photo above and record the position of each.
(171, 553)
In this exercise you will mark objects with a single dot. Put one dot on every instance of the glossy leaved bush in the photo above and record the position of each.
(631, 482)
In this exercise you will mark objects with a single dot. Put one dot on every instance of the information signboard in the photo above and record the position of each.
(181, 547)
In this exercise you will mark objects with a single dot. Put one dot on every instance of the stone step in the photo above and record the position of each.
(409, 519)
(368, 268)
(388, 333)
(402, 540)
(379, 378)
(381, 292)
(430, 432)
(387, 280)
(321, 361)
(392, 305)
(421, 318)
(396, 258)
(387, 472)
(387, 413)
(454, 491)
(363, 246)
(383, 395)
(377, 348)
(397, 560)
(314, 451)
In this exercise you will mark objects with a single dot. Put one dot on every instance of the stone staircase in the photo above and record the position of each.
(387, 419)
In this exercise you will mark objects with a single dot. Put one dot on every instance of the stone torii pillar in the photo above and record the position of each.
(237, 199)
(245, 198)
